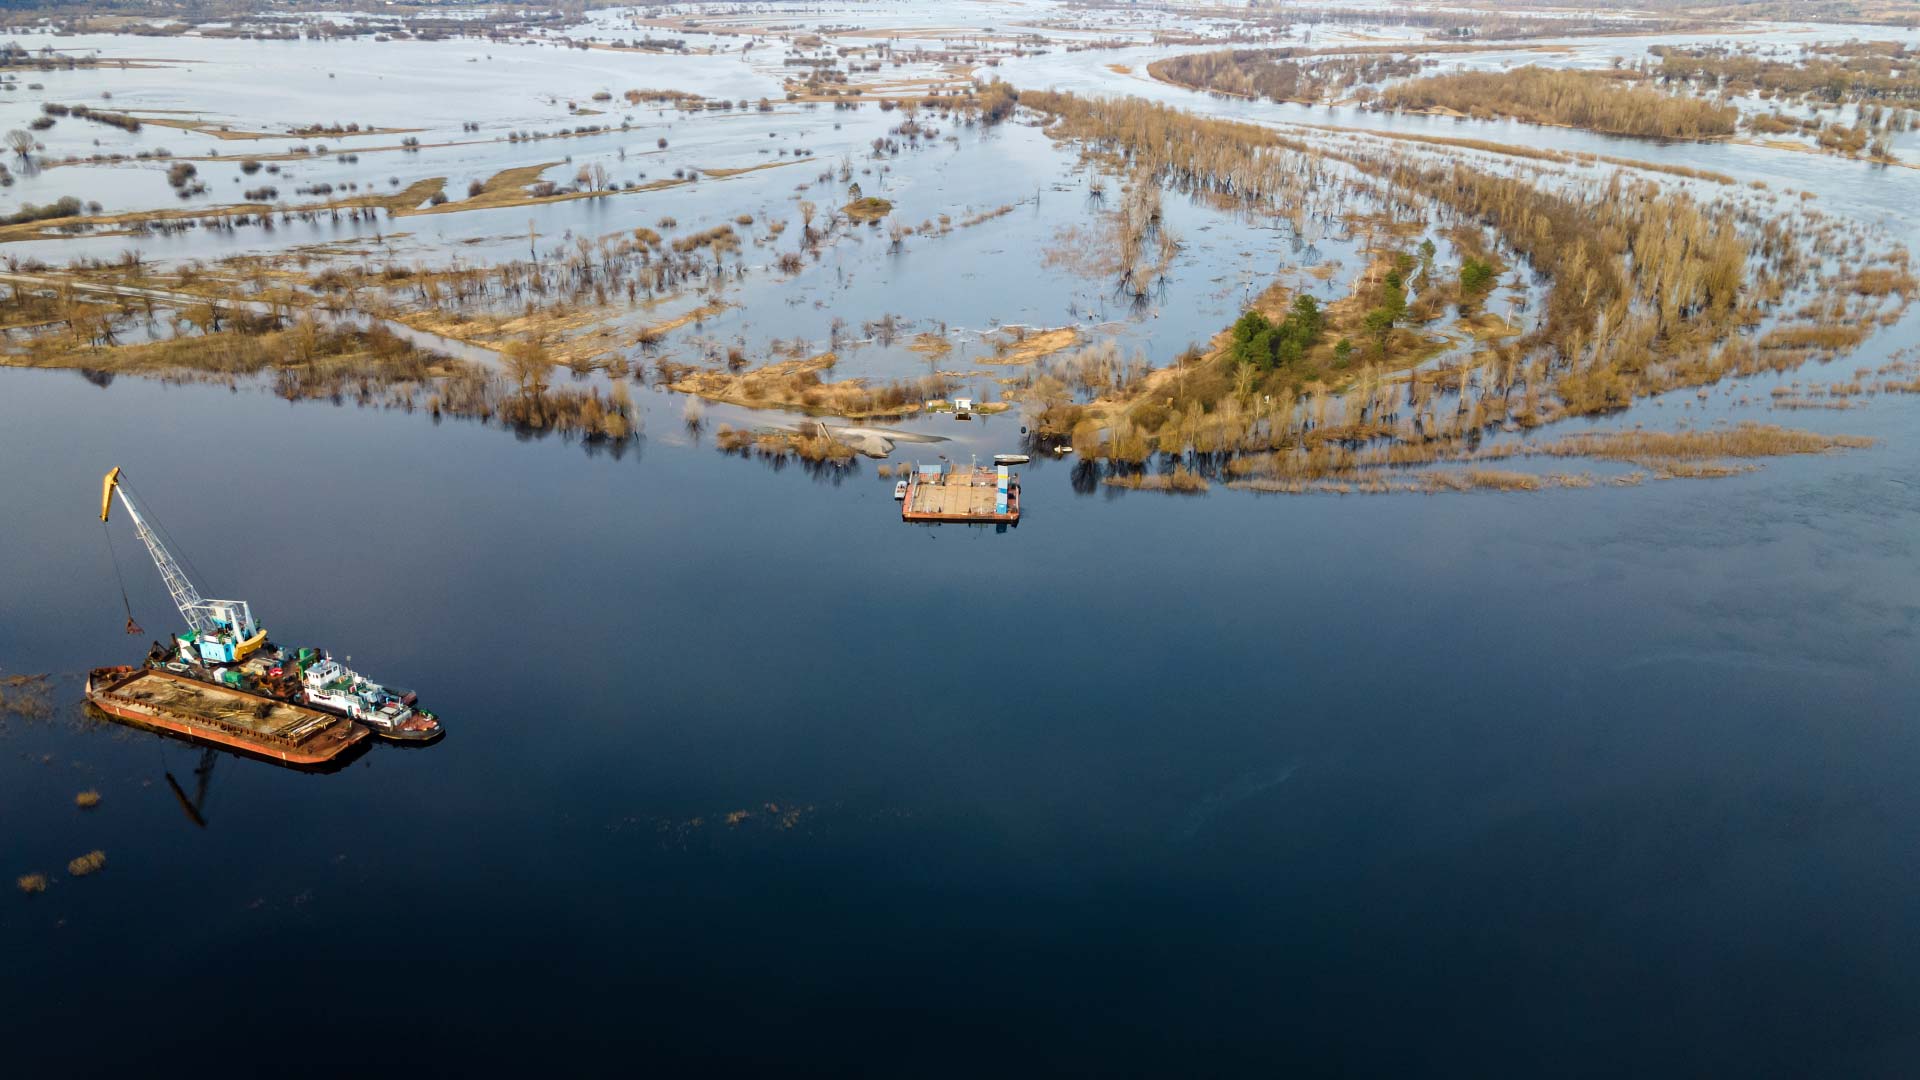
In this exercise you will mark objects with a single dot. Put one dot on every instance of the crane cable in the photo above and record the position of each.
(166, 537)
(107, 534)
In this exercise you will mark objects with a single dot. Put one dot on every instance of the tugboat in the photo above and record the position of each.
(332, 687)
(224, 646)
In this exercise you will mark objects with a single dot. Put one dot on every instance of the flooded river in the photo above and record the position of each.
(743, 771)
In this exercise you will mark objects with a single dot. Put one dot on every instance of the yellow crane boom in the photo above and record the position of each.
(106, 491)
(225, 626)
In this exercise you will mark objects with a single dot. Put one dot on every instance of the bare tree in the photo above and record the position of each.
(807, 211)
(21, 141)
(528, 362)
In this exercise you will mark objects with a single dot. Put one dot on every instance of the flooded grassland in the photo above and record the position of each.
(861, 220)
(1612, 734)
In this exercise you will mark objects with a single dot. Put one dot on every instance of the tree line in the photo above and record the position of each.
(1594, 101)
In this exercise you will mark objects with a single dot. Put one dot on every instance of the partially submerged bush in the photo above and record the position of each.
(64, 206)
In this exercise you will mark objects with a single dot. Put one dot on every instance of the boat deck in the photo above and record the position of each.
(191, 699)
(961, 495)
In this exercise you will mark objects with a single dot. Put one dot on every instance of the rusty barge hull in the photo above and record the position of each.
(202, 712)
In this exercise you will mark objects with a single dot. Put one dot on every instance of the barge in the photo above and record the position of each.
(971, 495)
(206, 713)
(226, 650)
(309, 678)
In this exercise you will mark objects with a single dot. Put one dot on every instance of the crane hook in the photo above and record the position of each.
(132, 627)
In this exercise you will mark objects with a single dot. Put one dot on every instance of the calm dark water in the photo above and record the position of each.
(1576, 782)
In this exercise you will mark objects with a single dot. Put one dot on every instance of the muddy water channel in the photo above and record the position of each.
(743, 771)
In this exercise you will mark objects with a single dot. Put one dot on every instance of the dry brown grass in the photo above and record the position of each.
(775, 445)
(1748, 440)
(797, 384)
(395, 203)
(87, 800)
(1812, 403)
(26, 696)
(1882, 280)
(719, 239)
(226, 132)
(1696, 470)
(86, 864)
(653, 332)
(1396, 468)
(313, 359)
(1181, 480)
(1018, 345)
(1833, 336)
(1596, 101)
(1485, 480)
(931, 344)
(31, 883)
(1487, 326)
(871, 208)
(520, 186)
(506, 187)
(1620, 250)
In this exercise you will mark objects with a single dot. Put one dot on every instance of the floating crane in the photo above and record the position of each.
(218, 631)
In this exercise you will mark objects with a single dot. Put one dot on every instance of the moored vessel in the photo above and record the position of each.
(225, 649)
(330, 685)
(222, 716)
(973, 495)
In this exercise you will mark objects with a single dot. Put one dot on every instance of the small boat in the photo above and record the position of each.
(1063, 449)
(899, 489)
(1011, 459)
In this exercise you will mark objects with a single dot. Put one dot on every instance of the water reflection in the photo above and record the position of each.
(196, 806)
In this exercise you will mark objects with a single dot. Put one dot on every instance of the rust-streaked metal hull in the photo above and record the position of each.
(169, 703)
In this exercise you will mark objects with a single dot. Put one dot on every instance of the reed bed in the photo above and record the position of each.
(28, 697)
(1648, 290)
(1596, 101)
(1181, 480)
(817, 447)
(797, 384)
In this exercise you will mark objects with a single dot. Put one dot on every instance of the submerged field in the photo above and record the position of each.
(560, 365)
(579, 226)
